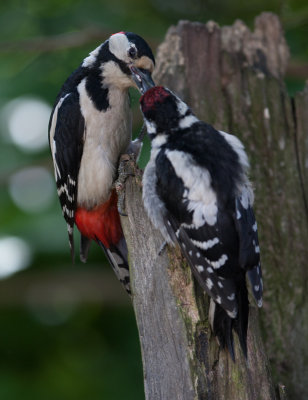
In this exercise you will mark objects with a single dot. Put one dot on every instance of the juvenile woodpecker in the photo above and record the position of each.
(197, 193)
(89, 128)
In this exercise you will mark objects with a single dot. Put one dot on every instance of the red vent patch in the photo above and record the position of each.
(102, 222)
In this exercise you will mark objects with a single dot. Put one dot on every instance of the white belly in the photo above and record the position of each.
(107, 136)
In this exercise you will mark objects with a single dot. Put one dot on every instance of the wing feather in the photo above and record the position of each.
(221, 289)
(66, 137)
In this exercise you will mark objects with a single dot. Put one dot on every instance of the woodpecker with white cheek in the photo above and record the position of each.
(196, 191)
(89, 128)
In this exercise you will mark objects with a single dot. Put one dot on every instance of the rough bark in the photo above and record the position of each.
(232, 78)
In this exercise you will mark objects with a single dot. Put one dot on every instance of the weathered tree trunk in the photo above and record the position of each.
(232, 78)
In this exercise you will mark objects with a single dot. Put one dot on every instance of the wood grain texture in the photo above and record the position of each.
(161, 329)
(181, 359)
(232, 78)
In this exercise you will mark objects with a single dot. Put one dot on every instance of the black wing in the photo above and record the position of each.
(66, 135)
(211, 249)
(222, 290)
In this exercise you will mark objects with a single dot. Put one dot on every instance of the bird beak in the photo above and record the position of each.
(142, 78)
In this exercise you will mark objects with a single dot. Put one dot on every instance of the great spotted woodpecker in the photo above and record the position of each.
(89, 128)
(197, 193)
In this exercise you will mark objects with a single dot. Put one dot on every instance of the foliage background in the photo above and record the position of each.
(68, 331)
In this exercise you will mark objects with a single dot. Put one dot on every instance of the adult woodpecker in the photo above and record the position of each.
(89, 128)
(197, 193)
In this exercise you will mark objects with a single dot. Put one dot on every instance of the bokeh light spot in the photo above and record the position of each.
(32, 189)
(27, 122)
(15, 255)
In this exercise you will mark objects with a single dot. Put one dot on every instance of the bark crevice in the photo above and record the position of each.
(219, 72)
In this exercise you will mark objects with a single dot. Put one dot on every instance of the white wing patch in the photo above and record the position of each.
(202, 200)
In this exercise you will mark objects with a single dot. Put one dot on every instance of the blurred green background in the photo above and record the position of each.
(68, 331)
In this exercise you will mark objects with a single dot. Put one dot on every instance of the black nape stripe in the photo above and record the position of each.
(94, 82)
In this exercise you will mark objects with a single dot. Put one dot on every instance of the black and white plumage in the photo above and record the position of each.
(197, 193)
(89, 128)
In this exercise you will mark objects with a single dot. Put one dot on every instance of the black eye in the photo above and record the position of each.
(132, 52)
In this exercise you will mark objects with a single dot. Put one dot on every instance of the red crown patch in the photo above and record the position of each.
(156, 94)
(123, 33)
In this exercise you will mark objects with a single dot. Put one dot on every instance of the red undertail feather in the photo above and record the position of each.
(102, 222)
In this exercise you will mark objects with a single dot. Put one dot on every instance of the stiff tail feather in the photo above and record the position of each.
(84, 248)
(241, 321)
(118, 258)
(223, 325)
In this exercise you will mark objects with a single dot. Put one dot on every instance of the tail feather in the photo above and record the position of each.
(118, 258)
(223, 325)
(84, 248)
(241, 321)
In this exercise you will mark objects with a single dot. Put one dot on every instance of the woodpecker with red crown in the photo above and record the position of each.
(197, 193)
(89, 128)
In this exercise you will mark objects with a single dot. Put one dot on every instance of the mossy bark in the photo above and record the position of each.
(181, 358)
(231, 77)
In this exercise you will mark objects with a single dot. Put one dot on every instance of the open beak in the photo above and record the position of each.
(142, 78)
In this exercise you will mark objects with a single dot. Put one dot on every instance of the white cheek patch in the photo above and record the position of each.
(118, 46)
(113, 75)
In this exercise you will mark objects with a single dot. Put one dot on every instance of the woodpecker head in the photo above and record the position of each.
(164, 112)
(124, 60)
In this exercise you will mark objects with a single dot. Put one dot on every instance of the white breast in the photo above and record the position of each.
(107, 136)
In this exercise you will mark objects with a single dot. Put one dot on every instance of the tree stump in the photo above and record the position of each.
(232, 78)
